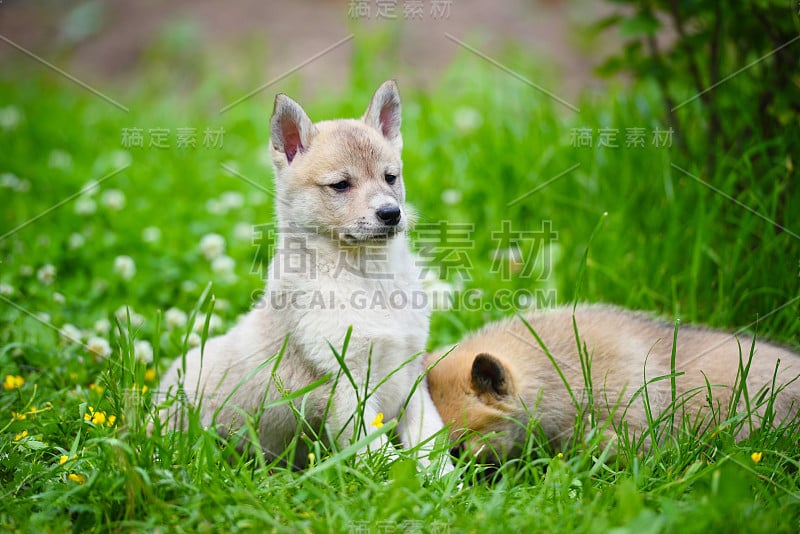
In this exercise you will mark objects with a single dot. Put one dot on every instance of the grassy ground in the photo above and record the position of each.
(483, 150)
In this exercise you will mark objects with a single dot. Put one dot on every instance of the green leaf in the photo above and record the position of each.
(641, 24)
(606, 22)
(610, 67)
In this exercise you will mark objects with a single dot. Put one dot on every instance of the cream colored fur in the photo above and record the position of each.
(514, 380)
(337, 265)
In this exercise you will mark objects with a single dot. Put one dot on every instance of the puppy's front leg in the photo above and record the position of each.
(419, 423)
(347, 418)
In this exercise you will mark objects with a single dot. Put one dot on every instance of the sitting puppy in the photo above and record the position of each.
(492, 383)
(342, 261)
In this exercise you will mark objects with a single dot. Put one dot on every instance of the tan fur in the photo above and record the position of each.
(342, 149)
(624, 347)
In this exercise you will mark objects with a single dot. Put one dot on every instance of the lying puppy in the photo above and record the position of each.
(493, 382)
(341, 261)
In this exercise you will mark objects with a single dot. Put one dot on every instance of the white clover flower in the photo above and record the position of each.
(120, 158)
(99, 285)
(59, 159)
(43, 317)
(223, 265)
(10, 117)
(85, 205)
(46, 274)
(9, 180)
(193, 340)
(102, 326)
(231, 200)
(215, 207)
(222, 304)
(151, 234)
(137, 320)
(232, 165)
(256, 198)
(467, 119)
(175, 318)
(58, 298)
(188, 286)
(122, 312)
(99, 346)
(212, 246)
(125, 267)
(143, 351)
(70, 332)
(113, 199)
(23, 186)
(214, 323)
(451, 196)
(243, 231)
(90, 188)
(6, 289)
(26, 271)
(76, 241)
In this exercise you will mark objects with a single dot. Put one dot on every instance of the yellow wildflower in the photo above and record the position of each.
(378, 421)
(13, 382)
(144, 389)
(150, 375)
(63, 459)
(18, 416)
(95, 387)
(21, 435)
(99, 418)
(80, 479)
(560, 455)
(756, 457)
(111, 420)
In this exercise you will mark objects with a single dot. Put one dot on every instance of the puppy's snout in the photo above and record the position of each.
(388, 214)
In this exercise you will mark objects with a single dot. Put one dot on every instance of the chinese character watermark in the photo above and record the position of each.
(184, 138)
(532, 261)
(443, 247)
(395, 9)
(634, 138)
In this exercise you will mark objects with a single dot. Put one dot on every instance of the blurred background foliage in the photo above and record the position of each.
(695, 52)
(701, 228)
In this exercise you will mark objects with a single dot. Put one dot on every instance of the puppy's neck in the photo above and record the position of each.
(305, 254)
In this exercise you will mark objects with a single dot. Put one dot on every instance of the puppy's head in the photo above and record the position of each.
(341, 178)
(477, 395)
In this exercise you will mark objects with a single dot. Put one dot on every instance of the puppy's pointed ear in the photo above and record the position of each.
(383, 113)
(291, 130)
(489, 376)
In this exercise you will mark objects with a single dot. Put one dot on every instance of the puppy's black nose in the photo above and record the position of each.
(389, 215)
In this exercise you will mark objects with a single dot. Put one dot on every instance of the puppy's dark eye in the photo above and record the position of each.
(390, 178)
(344, 185)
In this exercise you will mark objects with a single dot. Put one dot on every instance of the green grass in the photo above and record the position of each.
(668, 243)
